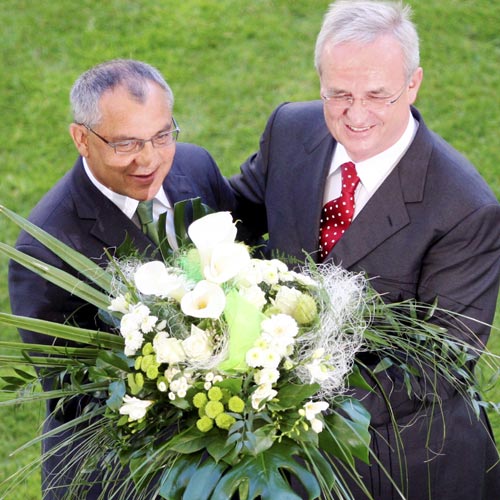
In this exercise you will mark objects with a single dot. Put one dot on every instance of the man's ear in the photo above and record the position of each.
(79, 134)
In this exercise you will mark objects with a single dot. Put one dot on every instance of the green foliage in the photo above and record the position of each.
(229, 63)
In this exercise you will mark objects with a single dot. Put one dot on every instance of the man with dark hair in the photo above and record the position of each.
(125, 132)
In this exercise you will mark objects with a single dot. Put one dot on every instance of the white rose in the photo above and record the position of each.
(168, 349)
(135, 408)
(206, 300)
(255, 295)
(286, 299)
(198, 345)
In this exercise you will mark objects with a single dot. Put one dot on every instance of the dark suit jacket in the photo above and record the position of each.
(81, 216)
(432, 230)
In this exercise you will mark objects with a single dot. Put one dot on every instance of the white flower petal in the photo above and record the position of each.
(206, 300)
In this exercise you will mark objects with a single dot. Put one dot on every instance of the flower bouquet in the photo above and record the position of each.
(222, 376)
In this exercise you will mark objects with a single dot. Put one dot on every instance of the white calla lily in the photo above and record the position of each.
(226, 261)
(212, 229)
(153, 278)
(206, 300)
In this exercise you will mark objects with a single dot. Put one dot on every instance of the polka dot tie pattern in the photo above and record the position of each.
(337, 214)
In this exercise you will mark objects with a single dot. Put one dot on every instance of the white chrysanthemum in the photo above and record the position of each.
(266, 376)
(254, 357)
(148, 323)
(129, 323)
(133, 341)
(171, 372)
(280, 326)
(135, 408)
(154, 278)
(206, 300)
(268, 270)
(271, 358)
(168, 349)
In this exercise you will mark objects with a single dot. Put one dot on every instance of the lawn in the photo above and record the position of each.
(229, 64)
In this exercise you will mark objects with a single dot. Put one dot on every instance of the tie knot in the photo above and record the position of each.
(350, 177)
(145, 211)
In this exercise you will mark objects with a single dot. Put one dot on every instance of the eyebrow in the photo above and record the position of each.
(128, 138)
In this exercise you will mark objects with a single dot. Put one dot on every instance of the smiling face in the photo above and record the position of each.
(361, 71)
(139, 175)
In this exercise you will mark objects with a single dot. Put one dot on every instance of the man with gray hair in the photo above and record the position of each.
(358, 179)
(126, 136)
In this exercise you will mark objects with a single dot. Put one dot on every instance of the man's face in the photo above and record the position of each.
(138, 175)
(373, 72)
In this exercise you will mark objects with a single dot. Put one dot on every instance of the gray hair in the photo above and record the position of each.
(91, 85)
(363, 21)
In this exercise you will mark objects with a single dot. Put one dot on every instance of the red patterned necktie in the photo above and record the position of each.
(337, 214)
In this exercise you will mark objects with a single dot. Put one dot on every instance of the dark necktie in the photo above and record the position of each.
(145, 214)
(337, 214)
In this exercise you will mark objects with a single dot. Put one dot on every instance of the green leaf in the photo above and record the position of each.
(292, 395)
(356, 379)
(116, 392)
(175, 478)
(66, 253)
(189, 441)
(60, 278)
(383, 365)
(346, 437)
(265, 475)
(91, 337)
(205, 478)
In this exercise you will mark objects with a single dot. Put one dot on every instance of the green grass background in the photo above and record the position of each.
(229, 64)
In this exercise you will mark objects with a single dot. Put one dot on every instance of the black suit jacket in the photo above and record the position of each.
(78, 214)
(432, 230)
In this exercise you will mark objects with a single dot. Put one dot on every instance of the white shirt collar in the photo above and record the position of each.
(373, 171)
(126, 204)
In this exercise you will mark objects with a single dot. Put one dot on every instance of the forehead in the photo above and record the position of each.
(378, 64)
(124, 114)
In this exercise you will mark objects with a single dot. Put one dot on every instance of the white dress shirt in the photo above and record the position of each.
(371, 172)
(128, 206)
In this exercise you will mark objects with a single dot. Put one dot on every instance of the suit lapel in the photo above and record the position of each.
(384, 215)
(104, 219)
(307, 196)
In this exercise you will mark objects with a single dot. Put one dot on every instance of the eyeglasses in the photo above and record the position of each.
(372, 103)
(130, 146)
